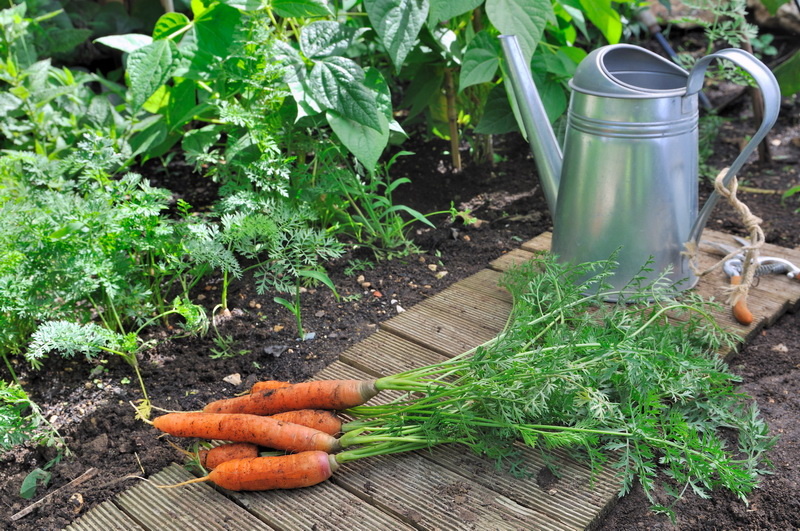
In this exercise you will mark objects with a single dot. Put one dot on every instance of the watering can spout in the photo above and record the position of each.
(544, 146)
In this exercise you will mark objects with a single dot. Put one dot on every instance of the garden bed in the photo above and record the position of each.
(90, 403)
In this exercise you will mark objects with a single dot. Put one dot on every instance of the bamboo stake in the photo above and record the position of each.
(452, 117)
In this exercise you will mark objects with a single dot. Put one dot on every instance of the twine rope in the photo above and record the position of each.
(751, 251)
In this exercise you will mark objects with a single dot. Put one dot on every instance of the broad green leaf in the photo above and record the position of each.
(8, 103)
(397, 23)
(446, 9)
(295, 78)
(65, 40)
(198, 142)
(169, 24)
(182, 104)
(773, 5)
(337, 84)
(365, 143)
(158, 100)
(449, 46)
(153, 131)
(244, 5)
(208, 41)
(524, 18)
(422, 91)
(573, 14)
(149, 68)
(601, 14)
(481, 59)
(36, 477)
(788, 75)
(375, 81)
(498, 117)
(199, 7)
(551, 91)
(126, 43)
(216, 29)
(300, 8)
(325, 38)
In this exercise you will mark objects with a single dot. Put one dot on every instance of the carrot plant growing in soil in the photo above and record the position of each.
(634, 385)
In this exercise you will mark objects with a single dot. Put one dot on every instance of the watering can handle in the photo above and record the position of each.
(770, 94)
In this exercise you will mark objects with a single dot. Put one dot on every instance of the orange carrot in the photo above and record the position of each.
(263, 431)
(268, 384)
(268, 473)
(212, 458)
(320, 394)
(319, 419)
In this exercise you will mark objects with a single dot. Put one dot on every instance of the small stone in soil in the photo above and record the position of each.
(275, 350)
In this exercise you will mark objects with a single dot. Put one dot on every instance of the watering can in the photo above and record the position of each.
(626, 184)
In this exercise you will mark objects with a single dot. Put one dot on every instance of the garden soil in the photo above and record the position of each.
(90, 402)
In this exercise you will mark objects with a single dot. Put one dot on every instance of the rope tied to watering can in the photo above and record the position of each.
(737, 292)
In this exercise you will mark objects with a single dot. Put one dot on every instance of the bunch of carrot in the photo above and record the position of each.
(299, 419)
(569, 370)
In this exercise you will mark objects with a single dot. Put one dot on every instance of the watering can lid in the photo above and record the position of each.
(627, 71)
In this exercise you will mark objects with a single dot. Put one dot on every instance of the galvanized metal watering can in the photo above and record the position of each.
(627, 181)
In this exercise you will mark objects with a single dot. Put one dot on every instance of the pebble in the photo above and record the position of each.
(234, 379)
(433, 267)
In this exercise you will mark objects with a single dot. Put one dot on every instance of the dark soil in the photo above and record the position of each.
(90, 403)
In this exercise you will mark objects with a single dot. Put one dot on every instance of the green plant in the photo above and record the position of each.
(70, 338)
(22, 420)
(224, 347)
(357, 264)
(728, 26)
(367, 212)
(293, 305)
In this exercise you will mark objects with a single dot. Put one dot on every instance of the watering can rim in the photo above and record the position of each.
(593, 76)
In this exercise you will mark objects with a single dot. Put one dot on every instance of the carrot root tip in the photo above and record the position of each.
(196, 480)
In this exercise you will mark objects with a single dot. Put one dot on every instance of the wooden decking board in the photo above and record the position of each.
(471, 305)
(439, 330)
(105, 517)
(384, 354)
(511, 259)
(570, 500)
(198, 506)
(443, 488)
(333, 507)
(485, 283)
(433, 497)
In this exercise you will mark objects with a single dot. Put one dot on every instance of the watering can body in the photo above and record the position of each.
(626, 185)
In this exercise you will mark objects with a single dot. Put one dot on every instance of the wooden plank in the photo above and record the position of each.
(433, 497)
(104, 517)
(438, 330)
(467, 303)
(485, 282)
(324, 507)
(512, 258)
(196, 506)
(542, 242)
(384, 354)
(574, 498)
